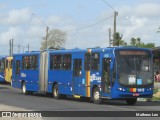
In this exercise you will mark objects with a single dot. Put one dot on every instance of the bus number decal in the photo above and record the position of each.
(95, 77)
(23, 75)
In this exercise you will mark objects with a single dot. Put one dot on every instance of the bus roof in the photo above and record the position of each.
(9, 58)
(96, 49)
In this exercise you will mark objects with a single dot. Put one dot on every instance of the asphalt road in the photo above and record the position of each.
(12, 99)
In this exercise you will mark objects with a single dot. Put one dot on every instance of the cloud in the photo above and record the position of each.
(16, 17)
(35, 32)
(12, 32)
(2, 6)
(143, 20)
(147, 10)
(54, 20)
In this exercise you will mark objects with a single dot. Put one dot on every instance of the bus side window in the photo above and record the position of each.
(78, 67)
(67, 62)
(6, 64)
(57, 62)
(51, 62)
(92, 61)
(114, 75)
(34, 63)
(95, 61)
(18, 67)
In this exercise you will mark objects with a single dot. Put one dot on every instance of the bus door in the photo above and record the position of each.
(106, 82)
(77, 76)
(43, 74)
(9, 70)
(6, 70)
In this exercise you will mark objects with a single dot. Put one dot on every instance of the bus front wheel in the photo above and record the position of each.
(96, 96)
(56, 94)
(24, 91)
(131, 101)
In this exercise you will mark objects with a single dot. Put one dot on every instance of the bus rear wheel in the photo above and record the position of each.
(96, 96)
(55, 91)
(24, 91)
(131, 101)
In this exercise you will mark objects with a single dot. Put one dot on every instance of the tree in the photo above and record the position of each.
(133, 42)
(137, 42)
(118, 40)
(148, 45)
(122, 43)
(55, 39)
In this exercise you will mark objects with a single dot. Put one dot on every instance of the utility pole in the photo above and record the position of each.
(18, 48)
(110, 41)
(114, 32)
(47, 29)
(10, 48)
(28, 47)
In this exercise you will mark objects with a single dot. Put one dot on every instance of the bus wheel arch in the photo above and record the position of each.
(23, 86)
(24, 90)
(131, 101)
(96, 97)
(55, 91)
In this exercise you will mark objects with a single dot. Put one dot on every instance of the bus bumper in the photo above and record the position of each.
(120, 95)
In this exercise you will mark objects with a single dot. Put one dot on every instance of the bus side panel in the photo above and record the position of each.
(2, 66)
(16, 79)
(2, 77)
(62, 78)
(31, 78)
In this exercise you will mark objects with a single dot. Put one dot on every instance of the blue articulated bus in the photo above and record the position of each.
(2, 69)
(97, 73)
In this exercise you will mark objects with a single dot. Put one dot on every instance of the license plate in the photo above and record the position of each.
(135, 94)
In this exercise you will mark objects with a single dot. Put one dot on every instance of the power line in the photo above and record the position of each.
(91, 25)
(39, 19)
(23, 46)
(109, 5)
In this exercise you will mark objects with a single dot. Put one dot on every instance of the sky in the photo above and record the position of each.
(86, 22)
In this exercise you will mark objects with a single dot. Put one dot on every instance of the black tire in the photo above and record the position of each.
(96, 97)
(55, 92)
(131, 101)
(24, 91)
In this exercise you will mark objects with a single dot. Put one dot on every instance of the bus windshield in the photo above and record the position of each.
(134, 70)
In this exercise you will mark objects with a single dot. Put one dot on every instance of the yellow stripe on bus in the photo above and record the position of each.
(88, 84)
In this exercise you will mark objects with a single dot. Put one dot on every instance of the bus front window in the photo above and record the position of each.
(133, 70)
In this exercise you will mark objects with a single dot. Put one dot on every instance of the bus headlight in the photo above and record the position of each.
(149, 89)
(121, 89)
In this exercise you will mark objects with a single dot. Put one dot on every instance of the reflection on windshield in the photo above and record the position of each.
(134, 71)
